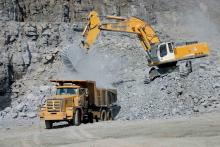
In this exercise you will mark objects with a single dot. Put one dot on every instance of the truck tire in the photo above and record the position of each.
(109, 115)
(77, 118)
(103, 115)
(48, 124)
(96, 119)
(90, 117)
(70, 122)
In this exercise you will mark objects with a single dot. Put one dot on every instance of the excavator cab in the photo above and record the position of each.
(165, 52)
(161, 53)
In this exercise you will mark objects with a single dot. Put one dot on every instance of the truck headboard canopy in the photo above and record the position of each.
(82, 83)
(91, 85)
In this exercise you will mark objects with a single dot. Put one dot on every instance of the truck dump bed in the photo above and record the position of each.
(97, 96)
(105, 97)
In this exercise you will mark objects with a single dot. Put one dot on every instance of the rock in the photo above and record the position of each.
(48, 58)
(216, 85)
(15, 90)
(14, 95)
(22, 114)
(44, 88)
(3, 114)
(20, 107)
(31, 115)
(175, 111)
(40, 69)
(8, 109)
(213, 99)
(204, 66)
(196, 109)
(31, 32)
(14, 115)
(30, 96)
(179, 91)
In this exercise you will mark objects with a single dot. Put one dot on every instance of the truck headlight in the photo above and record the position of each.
(43, 108)
(70, 108)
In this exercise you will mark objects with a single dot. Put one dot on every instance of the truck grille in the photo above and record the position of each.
(54, 105)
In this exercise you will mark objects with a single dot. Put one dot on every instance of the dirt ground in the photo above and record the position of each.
(199, 131)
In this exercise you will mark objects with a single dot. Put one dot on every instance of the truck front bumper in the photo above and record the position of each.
(54, 116)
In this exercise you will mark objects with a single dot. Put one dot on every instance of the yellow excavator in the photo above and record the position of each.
(162, 56)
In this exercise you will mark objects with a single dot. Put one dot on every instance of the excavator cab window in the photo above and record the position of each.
(170, 47)
(163, 50)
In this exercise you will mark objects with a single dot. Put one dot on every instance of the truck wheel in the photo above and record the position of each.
(103, 115)
(70, 122)
(90, 117)
(48, 124)
(77, 118)
(109, 115)
(96, 119)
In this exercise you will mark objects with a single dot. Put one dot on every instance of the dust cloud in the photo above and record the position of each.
(82, 65)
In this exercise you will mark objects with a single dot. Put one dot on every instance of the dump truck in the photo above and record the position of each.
(78, 101)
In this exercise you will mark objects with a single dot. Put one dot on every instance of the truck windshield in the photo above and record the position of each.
(69, 91)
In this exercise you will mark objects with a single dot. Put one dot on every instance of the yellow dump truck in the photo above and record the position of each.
(78, 101)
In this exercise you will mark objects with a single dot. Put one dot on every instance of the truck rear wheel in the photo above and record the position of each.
(90, 117)
(77, 118)
(48, 124)
(109, 115)
(103, 115)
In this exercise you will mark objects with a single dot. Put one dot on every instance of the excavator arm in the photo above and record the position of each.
(144, 31)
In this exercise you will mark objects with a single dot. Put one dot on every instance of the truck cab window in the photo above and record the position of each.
(163, 50)
(70, 91)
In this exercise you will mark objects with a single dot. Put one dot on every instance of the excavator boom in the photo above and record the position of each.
(134, 25)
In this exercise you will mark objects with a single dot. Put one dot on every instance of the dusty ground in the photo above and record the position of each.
(198, 131)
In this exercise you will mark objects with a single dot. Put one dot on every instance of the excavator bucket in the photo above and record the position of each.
(91, 30)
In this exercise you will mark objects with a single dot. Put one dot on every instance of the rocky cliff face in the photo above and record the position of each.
(71, 11)
(35, 32)
(29, 57)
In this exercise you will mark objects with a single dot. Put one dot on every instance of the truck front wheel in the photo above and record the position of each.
(77, 118)
(48, 124)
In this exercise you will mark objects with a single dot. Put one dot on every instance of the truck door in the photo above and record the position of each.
(165, 52)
